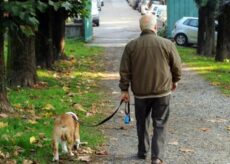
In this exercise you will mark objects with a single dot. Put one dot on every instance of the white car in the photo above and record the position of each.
(186, 31)
(95, 13)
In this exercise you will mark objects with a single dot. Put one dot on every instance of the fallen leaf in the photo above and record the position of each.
(88, 114)
(71, 94)
(26, 161)
(11, 162)
(66, 89)
(79, 107)
(204, 129)
(85, 158)
(18, 150)
(2, 155)
(93, 109)
(18, 134)
(42, 135)
(85, 150)
(218, 120)
(48, 107)
(215, 83)
(3, 124)
(173, 143)
(56, 76)
(228, 128)
(186, 150)
(101, 152)
(33, 122)
(33, 140)
(17, 106)
(3, 115)
(40, 85)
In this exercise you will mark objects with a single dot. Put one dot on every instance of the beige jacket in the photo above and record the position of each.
(150, 64)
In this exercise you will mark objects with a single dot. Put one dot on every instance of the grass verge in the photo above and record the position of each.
(218, 73)
(71, 86)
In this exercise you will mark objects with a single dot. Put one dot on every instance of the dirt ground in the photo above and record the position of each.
(197, 128)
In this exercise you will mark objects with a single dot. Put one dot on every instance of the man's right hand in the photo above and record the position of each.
(125, 96)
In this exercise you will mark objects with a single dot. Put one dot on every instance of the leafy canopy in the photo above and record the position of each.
(22, 14)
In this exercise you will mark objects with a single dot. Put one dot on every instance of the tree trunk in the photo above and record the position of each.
(201, 31)
(220, 48)
(59, 33)
(44, 40)
(21, 67)
(209, 46)
(223, 39)
(206, 31)
(4, 103)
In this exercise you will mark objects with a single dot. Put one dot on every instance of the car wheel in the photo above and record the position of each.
(181, 39)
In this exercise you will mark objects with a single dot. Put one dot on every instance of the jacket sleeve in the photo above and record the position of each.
(125, 70)
(175, 64)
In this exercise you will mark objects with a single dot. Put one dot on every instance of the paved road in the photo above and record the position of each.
(118, 24)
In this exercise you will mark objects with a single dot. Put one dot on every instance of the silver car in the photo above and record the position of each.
(185, 31)
(95, 13)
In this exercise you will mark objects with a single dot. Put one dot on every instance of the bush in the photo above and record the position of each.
(162, 31)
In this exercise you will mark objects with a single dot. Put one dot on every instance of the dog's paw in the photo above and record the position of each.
(71, 154)
(55, 159)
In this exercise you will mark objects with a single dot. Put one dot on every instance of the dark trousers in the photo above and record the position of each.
(158, 110)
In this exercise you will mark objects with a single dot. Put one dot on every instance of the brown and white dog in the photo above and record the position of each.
(66, 132)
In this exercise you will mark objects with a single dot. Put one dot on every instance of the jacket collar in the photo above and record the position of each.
(144, 32)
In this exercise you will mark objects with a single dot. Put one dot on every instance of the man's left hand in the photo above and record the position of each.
(174, 86)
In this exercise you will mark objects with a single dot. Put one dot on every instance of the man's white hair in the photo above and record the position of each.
(148, 22)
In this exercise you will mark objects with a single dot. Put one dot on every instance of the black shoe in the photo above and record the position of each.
(141, 156)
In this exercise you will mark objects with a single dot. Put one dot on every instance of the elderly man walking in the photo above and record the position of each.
(151, 65)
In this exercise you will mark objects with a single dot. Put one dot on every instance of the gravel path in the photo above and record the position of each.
(197, 127)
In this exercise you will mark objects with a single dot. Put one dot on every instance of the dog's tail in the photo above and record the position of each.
(73, 115)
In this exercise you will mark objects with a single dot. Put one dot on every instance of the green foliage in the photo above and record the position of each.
(216, 72)
(211, 3)
(22, 15)
(73, 8)
(201, 3)
(162, 31)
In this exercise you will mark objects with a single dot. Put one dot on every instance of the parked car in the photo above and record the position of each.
(95, 13)
(144, 8)
(186, 31)
(99, 5)
(133, 3)
(102, 3)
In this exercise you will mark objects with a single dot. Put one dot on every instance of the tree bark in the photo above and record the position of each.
(45, 48)
(206, 31)
(223, 39)
(59, 33)
(209, 47)
(4, 103)
(21, 67)
(201, 31)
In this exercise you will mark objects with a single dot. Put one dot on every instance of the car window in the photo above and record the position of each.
(191, 22)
